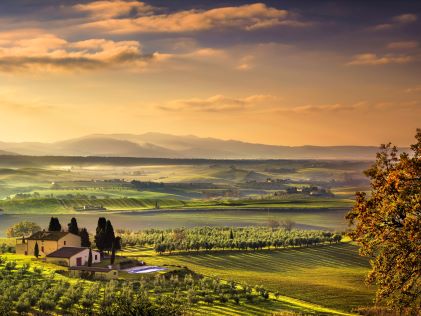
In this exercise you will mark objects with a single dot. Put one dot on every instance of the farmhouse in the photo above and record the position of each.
(48, 242)
(94, 272)
(72, 256)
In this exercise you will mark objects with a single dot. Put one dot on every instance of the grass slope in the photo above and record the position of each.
(256, 308)
(54, 205)
(331, 276)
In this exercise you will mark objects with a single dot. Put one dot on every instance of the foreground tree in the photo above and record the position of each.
(387, 226)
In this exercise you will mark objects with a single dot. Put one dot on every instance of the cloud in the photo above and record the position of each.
(414, 89)
(246, 63)
(336, 107)
(220, 103)
(405, 18)
(403, 45)
(272, 104)
(359, 106)
(38, 51)
(246, 17)
(397, 21)
(373, 59)
(205, 52)
(112, 9)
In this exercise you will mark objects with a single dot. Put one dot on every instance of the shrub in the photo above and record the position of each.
(236, 299)
(10, 265)
(38, 270)
(23, 306)
(249, 297)
(223, 299)
(46, 303)
(208, 299)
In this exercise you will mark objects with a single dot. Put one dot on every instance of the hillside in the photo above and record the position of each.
(6, 153)
(170, 146)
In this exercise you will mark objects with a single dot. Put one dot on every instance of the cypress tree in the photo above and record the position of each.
(113, 253)
(72, 226)
(58, 225)
(51, 225)
(231, 234)
(109, 236)
(117, 243)
(54, 225)
(36, 250)
(84, 236)
(100, 234)
(90, 258)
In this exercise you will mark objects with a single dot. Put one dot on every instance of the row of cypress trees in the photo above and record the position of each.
(73, 228)
(105, 239)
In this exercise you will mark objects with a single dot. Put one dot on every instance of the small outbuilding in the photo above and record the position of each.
(101, 273)
(73, 256)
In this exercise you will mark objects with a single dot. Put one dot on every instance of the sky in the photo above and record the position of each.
(274, 72)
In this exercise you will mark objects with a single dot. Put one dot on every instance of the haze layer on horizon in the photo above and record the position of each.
(272, 72)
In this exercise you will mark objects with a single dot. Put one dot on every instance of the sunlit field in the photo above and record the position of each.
(319, 280)
(335, 272)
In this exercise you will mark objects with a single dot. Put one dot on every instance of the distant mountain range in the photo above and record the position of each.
(3, 152)
(156, 145)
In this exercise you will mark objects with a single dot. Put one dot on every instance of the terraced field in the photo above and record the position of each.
(66, 206)
(259, 306)
(331, 276)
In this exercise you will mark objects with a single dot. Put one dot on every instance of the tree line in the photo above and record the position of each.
(225, 238)
(73, 228)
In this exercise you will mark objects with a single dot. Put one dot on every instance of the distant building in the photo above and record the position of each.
(73, 256)
(90, 208)
(47, 241)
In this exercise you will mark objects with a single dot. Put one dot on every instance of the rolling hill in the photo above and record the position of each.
(6, 153)
(170, 146)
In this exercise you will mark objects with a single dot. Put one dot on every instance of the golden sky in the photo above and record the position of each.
(286, 73)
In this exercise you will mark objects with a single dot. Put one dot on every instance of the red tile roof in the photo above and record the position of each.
(66, 252)
(45, 235)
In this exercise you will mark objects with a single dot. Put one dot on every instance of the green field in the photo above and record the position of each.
(323, 280)
(330, 276)
(57, 189)
(259, 307)
(66, 206)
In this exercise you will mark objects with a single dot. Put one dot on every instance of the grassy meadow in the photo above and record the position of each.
(322, 280)
(331, 276)
(274, 304)
(51, 188)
